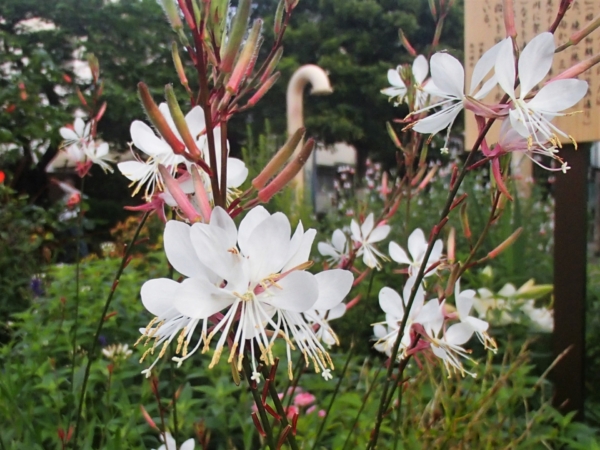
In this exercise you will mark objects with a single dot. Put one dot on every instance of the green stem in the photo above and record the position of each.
(92, 351)
(362, 407)
(419, 278)
(279, 408)
(333, 396)
(79, 231)
(259, 405)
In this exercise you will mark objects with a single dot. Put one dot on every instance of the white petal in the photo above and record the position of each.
(302, 251)
(417, 244)
(256, 216)
(134, 170)
(198, 298)
(267, 248)
(339, 241)
(180, 251)
(420, 69)
(379, 234)
(68, 134)
(79, 127)
(195, 122)
(459, 333)
(394, 92)
(477, 324)
(394, 79)
(419, 296)
(431, 317)
(438, 121)
(355, 230)
(237, 172)
(505, 67)
(334, 285)
(158, 295)
(558, 96)
(464, 303)
(483, 66)
(535, 61)
(379, 331)
(398, 254)
(391, 303)
(144, 139)
(326, 249)
(187, 445)
(298, 292)
(367, 226)
(448, 74)
(220, 219)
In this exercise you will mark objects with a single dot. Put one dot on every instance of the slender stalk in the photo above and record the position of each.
(259, 405)
(334, 395)
(362, 407)
(291, 439)
(436, 231)
(92, 351)
(224, 155)
(79, 231)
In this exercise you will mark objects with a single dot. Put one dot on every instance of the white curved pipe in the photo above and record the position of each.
(320, 85)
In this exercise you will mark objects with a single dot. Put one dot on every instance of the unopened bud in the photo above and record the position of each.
(433, 9)
(260, 93)
(180, 197)
(279, 159)
(158, 120)
(101, 112)
(201, 195)
(94, 66)
(178, 65)
(290, 5)
(451, 245)
(288, 173)
(577, 69)
(452, 280)
(464, 220)
(427, 178)
(186, 15)
(148, 418)
(508, 9)
(406, 44)
(507, 243)
(180, 123)
(277, 22)
(393, 136)
(272, 65)
(248, 53)
(238, 29)
(172, 14)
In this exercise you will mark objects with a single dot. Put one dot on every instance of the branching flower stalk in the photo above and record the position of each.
(92, 352)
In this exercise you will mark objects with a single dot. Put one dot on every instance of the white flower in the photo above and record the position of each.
(532, 118)
(80, 148)
(464, 303)
(337, 250)
(394, 307)
(366, 235)
(170, 443)
(255, 273)
(447, 347)
(398, 91)
(510, 140)
(417, 246)
(78, 135)
(542, 319)
(117, 351)
(448, 83)
(321, 318)
(159, 152)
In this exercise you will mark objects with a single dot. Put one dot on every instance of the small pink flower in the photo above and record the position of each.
(291, 411)
(322, 413)
(304, 399)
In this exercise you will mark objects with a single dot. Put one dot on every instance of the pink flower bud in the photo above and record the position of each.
(238, 29)
(249, 52)
(158, 120)
(279, 159)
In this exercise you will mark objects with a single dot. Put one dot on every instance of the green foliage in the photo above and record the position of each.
(356, 42)
(27, 233)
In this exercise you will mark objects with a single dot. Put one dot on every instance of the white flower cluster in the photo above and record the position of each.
(526, 119)
(81, 149)
(249, 284)
(157, 152)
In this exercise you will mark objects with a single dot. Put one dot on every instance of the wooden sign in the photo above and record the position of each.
(484, 27)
